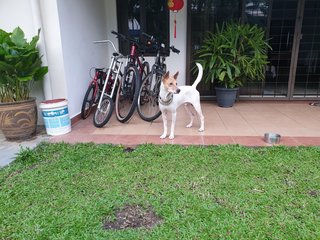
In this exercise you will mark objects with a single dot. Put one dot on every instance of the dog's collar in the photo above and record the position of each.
(168, 99)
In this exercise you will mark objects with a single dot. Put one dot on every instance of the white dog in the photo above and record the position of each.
(171, 97)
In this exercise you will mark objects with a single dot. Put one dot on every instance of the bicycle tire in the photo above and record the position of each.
(145, 70)
(88, 101)
(103, 115)
(148, 103)
(127, 94)
(163, 67)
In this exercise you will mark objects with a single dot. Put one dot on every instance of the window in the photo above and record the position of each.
(137, 16)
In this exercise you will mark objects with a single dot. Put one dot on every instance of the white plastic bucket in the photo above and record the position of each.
(56, 118)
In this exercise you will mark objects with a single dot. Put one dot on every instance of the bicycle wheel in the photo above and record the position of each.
(103, 115)
(88, 101)
(145, 70)
(163, 67)
(127, 94)
(148, 104)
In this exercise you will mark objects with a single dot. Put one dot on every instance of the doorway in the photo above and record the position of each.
(293, 30)
(306, 67)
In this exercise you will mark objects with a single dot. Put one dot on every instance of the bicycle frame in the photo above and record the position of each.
(135, 57)
(115, 67)
(98, 74)
(148, 105)
(159, 62)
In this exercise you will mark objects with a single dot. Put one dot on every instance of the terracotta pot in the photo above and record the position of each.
(18, 120)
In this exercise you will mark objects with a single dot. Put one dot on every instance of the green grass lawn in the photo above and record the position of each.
(61, 191)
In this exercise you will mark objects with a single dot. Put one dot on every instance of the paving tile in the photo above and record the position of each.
(218, 140)
(251, 141)
(308, 141)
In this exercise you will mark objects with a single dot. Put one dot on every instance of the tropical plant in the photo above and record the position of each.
(20, 65)
(234, 54)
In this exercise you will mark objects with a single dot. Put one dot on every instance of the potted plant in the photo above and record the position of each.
(20, 67)
(234, 54)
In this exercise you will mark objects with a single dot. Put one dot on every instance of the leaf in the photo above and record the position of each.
(17, 37)
(229, 72)
(39, 74)
(34, 41)
(213, 61)
(6, 67)
(25, 78)
(4, 36)
(222, 75)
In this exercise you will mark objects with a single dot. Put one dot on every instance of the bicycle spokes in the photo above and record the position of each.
(103, 114)
(148, 105)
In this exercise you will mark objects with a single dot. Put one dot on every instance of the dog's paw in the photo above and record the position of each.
(171, 137)
(163, 136)
(201, 129)
(189, 125)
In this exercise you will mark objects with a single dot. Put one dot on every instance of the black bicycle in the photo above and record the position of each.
(135, 68)
(148, 104)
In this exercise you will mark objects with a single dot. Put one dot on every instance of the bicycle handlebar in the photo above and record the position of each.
(106, 41)
(147, 35)
(152, 39)
(158, 46)
(118, 34)
(124, 37)
(116, 53)
(175, 50)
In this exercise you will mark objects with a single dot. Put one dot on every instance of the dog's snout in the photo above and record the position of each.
(178, 90)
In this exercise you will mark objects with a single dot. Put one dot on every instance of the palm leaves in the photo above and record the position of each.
(234, 54)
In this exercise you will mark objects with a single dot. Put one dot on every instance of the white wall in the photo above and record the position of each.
(178, 62)
(111, 22)
(12, 16)
(57, 86)
(81, 22)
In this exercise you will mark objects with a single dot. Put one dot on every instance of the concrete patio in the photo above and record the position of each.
(245, 123)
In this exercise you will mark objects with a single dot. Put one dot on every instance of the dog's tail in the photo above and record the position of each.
(199, 77)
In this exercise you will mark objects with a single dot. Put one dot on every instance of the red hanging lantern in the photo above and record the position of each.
(175, 6)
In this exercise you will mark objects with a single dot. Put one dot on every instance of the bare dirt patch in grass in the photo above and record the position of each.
(313, 193)
(133, 217)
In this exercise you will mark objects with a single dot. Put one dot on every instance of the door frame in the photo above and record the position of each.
(293, 59)
(295, 49)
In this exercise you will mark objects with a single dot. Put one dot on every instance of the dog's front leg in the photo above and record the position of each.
(165, 122)
(173, 123)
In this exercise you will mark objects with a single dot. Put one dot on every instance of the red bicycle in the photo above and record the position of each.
(93, 92)
(136, 55)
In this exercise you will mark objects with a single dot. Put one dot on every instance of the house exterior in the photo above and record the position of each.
(69, 27)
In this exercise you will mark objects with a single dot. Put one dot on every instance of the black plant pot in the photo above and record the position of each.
(226, 97)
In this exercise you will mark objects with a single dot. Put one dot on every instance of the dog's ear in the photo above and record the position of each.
(176, 75)
(166, 75)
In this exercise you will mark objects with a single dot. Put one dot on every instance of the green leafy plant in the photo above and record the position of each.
(20, 65)
(234, 54)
